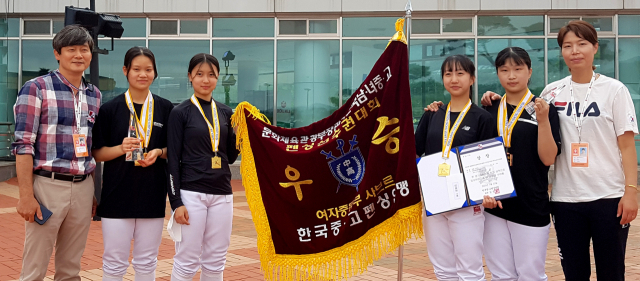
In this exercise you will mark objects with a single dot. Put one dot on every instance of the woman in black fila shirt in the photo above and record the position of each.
(201, 147)
(134, 193)
(454, 253)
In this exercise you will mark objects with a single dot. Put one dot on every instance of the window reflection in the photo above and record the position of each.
(172, 59)
(630, 64)
(8, 78)
(249, 76)
(425, 79)
(243, 27)
(37, 59)
(510, 25)
(604, 60)
(358, 58)
(134, 27)
(368, 27)
(488, 49)
(308, 81)
(112, 80)
(629, 24)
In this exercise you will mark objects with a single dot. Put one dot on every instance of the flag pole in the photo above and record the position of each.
(407, 22)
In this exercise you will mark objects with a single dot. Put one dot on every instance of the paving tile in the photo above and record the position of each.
(243, 261)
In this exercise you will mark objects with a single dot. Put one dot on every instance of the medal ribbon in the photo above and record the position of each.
(143, 132)
(214, 131)
(447, 137)
(578, 121)
(505, 128)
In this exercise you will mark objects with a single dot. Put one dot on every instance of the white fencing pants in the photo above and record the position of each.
(454, 244)
(206, 239)
(117, 235)
(515, 251)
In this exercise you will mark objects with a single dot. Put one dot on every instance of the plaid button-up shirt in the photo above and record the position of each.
(45, 124)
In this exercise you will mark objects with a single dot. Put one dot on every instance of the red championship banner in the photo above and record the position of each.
(330, 198)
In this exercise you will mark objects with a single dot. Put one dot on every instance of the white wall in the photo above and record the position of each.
(41, 6)
(515, 5)
(310, 6)
(587, 4)
(242, 6)
(116, 6)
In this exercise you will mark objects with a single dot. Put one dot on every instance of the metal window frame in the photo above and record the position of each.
(24, 20)
(336, 34)
(413, 35)
(547, 16)
(179, 33)
(200, 35)
(151, 20)
(455, 33)
(600, 33)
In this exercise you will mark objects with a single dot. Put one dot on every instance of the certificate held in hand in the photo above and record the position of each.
(476, 170)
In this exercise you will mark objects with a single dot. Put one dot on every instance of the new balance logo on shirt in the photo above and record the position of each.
(466, 128)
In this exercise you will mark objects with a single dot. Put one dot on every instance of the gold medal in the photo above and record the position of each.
(216, 162)
(214, 130)
(444, 170)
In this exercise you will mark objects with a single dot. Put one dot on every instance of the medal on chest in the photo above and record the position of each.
(444, 169)
(506, 125)
(214, 131)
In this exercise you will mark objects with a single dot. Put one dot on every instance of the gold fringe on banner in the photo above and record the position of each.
(349, 260)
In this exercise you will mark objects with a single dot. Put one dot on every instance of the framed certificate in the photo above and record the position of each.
(477, 169)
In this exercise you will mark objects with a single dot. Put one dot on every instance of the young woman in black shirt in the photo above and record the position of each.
(201, 145)
(454, 239)
(133, 200)
(516, 233)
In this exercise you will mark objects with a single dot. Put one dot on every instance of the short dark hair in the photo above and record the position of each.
(204, 58)
(581, 28)
(518, 55)
(460, 62)
(140, 51)
(72, 35)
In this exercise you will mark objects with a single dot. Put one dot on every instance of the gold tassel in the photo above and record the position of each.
(399, 36)
(349, 260)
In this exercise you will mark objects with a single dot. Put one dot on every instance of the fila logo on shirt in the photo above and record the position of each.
(592, 110)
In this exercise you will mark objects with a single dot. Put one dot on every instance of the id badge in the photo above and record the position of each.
(216, 162)
(144, 156)
(531, 110)
(580, 155)
(136, 154)
(80, 145)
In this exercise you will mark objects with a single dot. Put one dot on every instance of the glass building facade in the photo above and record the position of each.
(299, 70)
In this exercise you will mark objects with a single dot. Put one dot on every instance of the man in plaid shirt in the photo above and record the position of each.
(54, 116)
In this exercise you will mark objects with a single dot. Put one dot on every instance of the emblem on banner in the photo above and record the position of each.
(349, 168)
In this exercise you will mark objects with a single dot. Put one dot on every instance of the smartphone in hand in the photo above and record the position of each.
(46, 214)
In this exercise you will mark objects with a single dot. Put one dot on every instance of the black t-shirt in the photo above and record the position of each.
(531, 207)
(477, 125)
(190, 151)
(130, 191)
